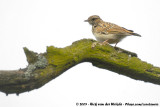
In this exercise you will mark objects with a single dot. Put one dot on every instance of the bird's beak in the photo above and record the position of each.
(85, 20)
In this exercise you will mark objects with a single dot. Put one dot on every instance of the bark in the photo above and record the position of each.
(46, 66)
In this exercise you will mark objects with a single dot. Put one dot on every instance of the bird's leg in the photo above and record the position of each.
(115, 45)
(104, 42)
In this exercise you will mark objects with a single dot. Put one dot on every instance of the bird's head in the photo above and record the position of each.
(93, 19)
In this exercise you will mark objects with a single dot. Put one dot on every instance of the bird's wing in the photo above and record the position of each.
(110, 28)
(122, 31)
(115, 29)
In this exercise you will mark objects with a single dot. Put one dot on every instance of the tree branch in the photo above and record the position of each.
(44, 67)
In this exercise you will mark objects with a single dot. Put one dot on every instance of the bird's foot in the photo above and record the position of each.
(101, 43)
(104, 43)
(94, 44)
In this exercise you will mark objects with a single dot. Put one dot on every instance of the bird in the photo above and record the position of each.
(108, 33)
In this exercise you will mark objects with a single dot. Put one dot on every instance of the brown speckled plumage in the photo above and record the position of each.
(108, 32)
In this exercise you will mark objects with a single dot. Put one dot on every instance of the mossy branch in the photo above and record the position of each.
(44, 67)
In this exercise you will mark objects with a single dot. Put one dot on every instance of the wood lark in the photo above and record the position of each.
(106, 32)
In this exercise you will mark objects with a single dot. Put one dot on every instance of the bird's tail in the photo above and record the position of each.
(136, 34)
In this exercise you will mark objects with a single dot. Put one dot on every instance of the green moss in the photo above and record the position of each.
(31, 56)
(101, 56)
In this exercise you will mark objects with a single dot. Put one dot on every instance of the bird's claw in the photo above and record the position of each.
(94, 44)
(104, 43)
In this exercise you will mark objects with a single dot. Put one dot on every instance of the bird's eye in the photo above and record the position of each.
(93, 19)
